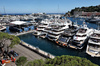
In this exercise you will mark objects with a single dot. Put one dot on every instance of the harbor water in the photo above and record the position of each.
(56, 50)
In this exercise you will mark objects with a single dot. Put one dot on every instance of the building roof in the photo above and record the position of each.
(18, 22)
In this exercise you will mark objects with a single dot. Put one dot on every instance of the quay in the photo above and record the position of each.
(37, 50)
(22, 33)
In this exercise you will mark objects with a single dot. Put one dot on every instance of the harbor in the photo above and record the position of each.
(37, 37)
(49, 33)
(57, 50)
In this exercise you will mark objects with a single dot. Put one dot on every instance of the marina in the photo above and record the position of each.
(49, 33)
(56, 50)
(54, 36)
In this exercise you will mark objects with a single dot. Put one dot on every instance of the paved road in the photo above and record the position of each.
(22, 51)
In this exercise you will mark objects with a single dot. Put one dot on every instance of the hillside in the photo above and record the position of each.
(86, 9)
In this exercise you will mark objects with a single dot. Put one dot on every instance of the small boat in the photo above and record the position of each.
(43, 35)
(36, 33)
(2, 28)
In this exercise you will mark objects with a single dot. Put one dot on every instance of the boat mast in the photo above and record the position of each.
(98, 25)
(4, 10)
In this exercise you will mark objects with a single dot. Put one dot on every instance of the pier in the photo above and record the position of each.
(22, 33)
(37, 50)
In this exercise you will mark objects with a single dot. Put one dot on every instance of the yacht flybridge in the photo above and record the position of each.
(81, 38)
(41, 27)
(93, 46)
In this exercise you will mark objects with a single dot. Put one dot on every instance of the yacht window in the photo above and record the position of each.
(96, 35)
(94, 46)
(68, 22)
(80, 35)
(95, 40)
(82, 30)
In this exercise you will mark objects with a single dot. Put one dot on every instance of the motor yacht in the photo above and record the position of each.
(66, 36)
(93, 46)
(80, 39)
(57, 29)
(41, 27)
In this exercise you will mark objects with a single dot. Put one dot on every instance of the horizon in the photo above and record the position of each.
(43, 6)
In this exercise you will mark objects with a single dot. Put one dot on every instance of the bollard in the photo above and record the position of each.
(37, 49)
(48, 55)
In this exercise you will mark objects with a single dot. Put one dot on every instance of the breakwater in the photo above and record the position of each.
(36, 49)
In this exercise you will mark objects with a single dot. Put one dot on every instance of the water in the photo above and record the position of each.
(56, 50)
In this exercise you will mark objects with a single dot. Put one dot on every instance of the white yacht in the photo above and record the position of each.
(57, 29)
(66, 36)
(81, 37)
(41, 27)
(93, 46)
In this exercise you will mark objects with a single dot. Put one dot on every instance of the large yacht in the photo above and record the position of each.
(66, 36)
(41, 27)
(93, 46)
(57, 29)
(81, 37)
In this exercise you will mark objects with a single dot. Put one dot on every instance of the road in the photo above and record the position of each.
(23, 51)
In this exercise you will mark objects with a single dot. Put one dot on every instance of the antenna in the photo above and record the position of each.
(4, 10)
(98, 25)
(58, 8)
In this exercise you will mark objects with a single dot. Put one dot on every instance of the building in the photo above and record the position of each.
(82, 13)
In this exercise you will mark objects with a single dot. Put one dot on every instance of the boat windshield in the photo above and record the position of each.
(81, 30)
(96, 35)
(80, 35)
(63, 39)
(95, 40)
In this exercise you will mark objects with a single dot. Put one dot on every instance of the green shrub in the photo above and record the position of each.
(21, 61)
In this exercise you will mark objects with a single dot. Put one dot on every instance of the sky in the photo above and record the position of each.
(47, 6)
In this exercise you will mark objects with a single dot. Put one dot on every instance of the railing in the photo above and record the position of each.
(46, 54)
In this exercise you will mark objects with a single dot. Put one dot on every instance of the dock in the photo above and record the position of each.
(22, 33)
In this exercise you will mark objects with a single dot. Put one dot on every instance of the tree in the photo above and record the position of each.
(14, 40)
(63, 60)
(21, 61)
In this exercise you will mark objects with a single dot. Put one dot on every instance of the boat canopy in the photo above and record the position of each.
(18, 22)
